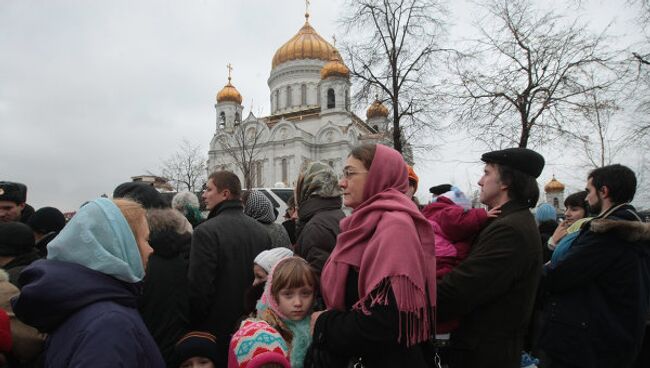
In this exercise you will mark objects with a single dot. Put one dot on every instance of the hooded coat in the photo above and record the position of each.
(598, 297)
(93, 323)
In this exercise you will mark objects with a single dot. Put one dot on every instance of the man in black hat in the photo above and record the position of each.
(492, 291)
(12, 201)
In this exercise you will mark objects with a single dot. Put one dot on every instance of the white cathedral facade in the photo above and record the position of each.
(310, 116)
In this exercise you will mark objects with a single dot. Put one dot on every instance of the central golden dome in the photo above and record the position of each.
(306, 44)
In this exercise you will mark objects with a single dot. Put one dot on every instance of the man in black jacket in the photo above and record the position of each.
(492, 291)
(221, 260)
(598, 296)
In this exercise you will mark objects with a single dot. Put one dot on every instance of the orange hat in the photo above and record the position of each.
(413, 177)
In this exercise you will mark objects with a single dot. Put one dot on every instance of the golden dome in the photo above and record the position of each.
(229, 93)
(306, 44)
(554, 186)
(334, 68)
(377, 109)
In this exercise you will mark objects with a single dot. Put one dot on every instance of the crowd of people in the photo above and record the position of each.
(135, 282)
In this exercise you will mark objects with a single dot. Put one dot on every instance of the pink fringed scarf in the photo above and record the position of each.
(399, 253)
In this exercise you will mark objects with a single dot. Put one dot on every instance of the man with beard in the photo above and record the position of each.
(492, 291)
(599, 295)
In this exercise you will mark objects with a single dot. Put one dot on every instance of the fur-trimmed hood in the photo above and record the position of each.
(633, 231)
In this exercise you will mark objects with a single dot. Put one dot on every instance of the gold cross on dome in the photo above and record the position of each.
(334, 40)
(229, 66)
(307, 3)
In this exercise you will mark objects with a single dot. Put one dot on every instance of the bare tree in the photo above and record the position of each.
(243, 144)
(186, 168)
(390, 47)
(519, 83)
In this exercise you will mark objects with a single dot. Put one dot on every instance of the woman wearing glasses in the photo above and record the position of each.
(379, 282)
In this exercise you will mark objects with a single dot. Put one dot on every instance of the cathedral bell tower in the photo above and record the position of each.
(228, 106)
(334, 85)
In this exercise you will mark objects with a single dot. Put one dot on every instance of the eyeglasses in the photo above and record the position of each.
(347, 173)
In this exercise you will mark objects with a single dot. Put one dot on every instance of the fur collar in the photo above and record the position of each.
(632, 231)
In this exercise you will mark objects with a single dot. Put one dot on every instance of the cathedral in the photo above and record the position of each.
(310, 118)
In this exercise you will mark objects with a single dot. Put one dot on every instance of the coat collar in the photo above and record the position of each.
(226, 205)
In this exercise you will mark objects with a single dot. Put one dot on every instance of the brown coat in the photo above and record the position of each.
(27, 341)
(492, 291)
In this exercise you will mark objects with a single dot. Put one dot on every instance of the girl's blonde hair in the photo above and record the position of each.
(292, 272)
(134, 214)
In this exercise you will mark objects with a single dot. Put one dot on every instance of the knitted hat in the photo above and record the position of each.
(458, 197)
(195, 344)
(47, 220)
(13, 192)
(439, 189)
(257, 343)
(16, 239)
(259, 207)
(545, 212)
(5, 332)
(142, 193)
(413, 177)
(268, 258)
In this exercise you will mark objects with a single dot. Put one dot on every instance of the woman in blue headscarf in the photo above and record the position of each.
(84, 294)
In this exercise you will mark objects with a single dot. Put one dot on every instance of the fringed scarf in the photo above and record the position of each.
(391, 244)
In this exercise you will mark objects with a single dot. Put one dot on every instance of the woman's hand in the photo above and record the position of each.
(312, 322)
(560, 232)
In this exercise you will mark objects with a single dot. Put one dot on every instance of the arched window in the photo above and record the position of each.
(222, 119)
(347, 100)
(331, 100)
(289, 102)
(277, 100)
(237, 118)
(303, 94)
(556, 202)
(285, 171)
(258, 174)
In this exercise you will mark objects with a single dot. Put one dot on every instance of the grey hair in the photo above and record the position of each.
(181, 199)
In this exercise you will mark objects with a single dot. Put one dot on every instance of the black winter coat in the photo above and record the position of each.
(341, 336)
(317, 229)
(598, 297)
(164, 304)
(492, 291)
(16, 265)
(221, 270)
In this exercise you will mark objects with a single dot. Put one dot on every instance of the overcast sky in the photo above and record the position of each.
(94, 92)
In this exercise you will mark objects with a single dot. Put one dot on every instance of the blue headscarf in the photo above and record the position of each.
(98, 237)
(545, 212)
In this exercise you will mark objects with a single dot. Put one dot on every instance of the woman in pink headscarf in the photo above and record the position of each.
(379, 282)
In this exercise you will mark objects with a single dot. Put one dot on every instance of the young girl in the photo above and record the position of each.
(287, 304)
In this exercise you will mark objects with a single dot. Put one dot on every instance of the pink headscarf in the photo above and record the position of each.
(391, 244)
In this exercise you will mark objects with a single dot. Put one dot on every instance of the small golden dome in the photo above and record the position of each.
(306, 44)
(229, 93)
(334, 68)
(554, 186)
(377, 109)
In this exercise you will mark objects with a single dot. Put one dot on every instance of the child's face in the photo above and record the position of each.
(197, 362)
(260, 274)
(296, 303)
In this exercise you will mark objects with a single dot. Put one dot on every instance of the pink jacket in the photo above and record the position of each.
(454, 228)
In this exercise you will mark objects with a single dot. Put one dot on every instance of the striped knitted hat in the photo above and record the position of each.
(257, 343)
